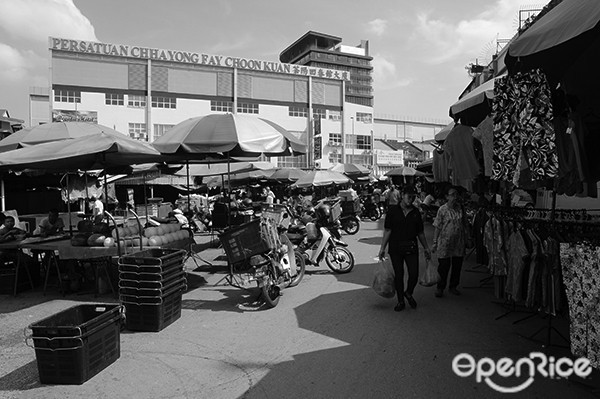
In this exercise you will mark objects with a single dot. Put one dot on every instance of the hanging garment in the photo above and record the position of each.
(479, 221)
(534, 280)
(484, 132)
(581, 275)
(522, 110)
(462, 161)
(494, 243)
(518, 256)
(441, 173)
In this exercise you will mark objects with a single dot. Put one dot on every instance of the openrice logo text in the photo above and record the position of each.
(465, 365)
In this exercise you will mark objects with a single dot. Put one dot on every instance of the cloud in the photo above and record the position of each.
(377, 26)
(385, 74)
(16, 65)
(35, 20)
(451, 41)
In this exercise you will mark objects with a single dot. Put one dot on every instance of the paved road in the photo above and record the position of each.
(330, 337)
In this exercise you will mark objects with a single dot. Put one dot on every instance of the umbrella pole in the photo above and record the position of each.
(228, 190)
(145, 196)
(106, 193)
(69, 208)
(2, 194)
(187, 173)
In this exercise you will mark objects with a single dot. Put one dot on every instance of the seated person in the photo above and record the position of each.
(53, 224)
(8, 231)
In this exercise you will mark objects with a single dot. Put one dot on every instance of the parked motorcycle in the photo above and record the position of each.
(370, 210)
(350, 223)
(313, 244)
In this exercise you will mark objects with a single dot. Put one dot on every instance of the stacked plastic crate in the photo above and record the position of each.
(151, 284)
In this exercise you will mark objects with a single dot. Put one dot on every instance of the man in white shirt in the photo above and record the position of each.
(97, 209)
(53, 224)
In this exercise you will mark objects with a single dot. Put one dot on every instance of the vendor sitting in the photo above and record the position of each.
(51, 225)
(8, 231)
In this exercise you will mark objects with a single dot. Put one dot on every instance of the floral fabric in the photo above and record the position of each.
(581, 276)
(523, 130)
(452, 238)
(495, 244)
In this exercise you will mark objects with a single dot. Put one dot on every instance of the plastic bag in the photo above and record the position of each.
(383, 280)
(430, 275)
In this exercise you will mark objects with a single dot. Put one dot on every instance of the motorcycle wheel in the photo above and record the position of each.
(300, 268)
(339, 259)
(351, 226)
(375, 215)
(270, 290)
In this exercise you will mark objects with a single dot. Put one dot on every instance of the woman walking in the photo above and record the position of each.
(403, 225)
(449, 241)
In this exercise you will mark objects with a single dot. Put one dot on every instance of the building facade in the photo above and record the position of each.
(143, 92)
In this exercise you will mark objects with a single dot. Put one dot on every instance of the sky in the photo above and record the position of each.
(420, 48)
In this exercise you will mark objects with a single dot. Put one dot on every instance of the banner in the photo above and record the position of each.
(65, 115)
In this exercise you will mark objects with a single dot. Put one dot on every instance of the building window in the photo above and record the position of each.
(335, 139)
(298, 111)
(247, 108)
(138, 131)
(114, 99)
(363, 142)
(164, 102)
(221, 106)
(159, 130)
(364, 117)
(318, 113)
(335, 157)
(335, 116)
(292, 162)
(67, 96)
(136, 101)
(360, 159)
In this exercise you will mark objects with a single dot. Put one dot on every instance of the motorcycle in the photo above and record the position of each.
(370, 210)
(273, 267)
(313, 244)
(350, 223)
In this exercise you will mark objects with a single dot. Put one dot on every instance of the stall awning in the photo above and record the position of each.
(474, 97)
(443, 133)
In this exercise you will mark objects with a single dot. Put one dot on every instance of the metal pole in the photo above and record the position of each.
(187, 173)
(3, 204)
(145, 196)
(228, 190)
(353, 139)
(69, 208)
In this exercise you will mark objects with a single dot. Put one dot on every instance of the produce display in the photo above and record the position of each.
(129, 236)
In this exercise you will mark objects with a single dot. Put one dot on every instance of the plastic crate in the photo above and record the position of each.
(244, 241)
(153, 283)
(152, 313)
(350, 207)
(74, 345)
(145, 291)
(161, 257)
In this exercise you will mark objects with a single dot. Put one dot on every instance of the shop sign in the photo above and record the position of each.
(318, 150)
(65, 115)
(189, 57)
(389, 157)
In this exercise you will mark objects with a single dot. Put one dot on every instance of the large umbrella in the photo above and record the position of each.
(319, 178)
(96, 151)
(238, 179)
(221, 168)
(53, 132)
(559, 40)
(404, 171)
(350, 169)
(474, 106)
(231, 134)
(287, 175)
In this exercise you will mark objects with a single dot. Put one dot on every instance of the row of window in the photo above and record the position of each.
(138, 131)
(359, 142)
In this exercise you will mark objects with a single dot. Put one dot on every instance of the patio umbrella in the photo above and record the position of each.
(474, 106)
(559, 40)
(287, 175)
(318, 178)
(216, 169)
(53, 132)
(350, 169)
(404, 171)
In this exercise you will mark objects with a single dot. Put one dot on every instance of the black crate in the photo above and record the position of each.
(244, 241)
(158, 283)
(162, 257)
(152, 313)
(145, 291)
(74, 345)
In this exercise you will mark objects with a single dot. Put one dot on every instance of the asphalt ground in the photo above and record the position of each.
(330, 337)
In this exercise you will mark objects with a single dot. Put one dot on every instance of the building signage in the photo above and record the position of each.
(189, 57)
(64, 115)
(389, 157)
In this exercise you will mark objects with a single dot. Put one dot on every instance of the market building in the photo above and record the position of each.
(145, 91)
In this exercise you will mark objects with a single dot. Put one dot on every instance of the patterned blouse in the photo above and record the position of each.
(452, 237)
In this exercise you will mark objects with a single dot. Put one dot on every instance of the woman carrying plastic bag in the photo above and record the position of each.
(383, 280)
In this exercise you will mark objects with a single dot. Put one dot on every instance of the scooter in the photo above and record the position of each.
(370, 210)
(311, 247)
(350, 223)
